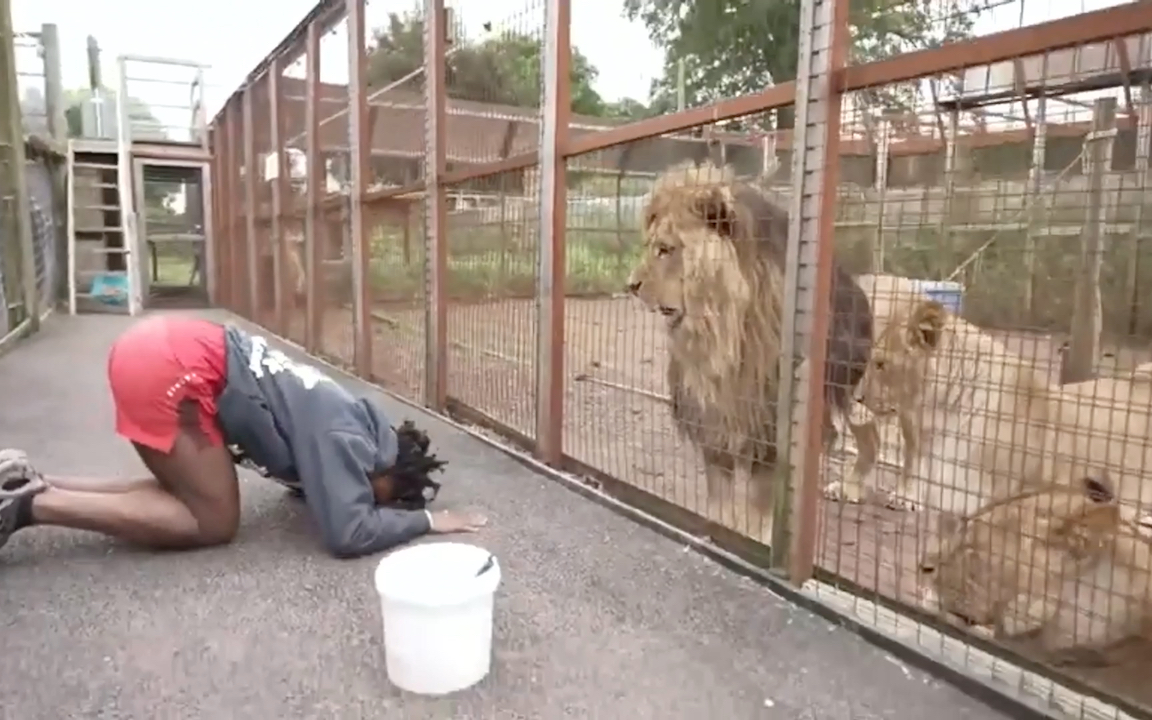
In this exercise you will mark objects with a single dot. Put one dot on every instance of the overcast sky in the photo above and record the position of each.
(233, 35)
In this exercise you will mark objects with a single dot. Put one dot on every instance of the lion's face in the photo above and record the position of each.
(658, 279)
(689, 263)
(979, 564)
(956, 576)
(900, 360)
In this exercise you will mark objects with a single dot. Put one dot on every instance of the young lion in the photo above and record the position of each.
(892, 298)
(973, 414)
(1066, 560)
(983, 422)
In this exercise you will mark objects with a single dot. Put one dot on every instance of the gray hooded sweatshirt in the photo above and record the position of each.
(294, 424)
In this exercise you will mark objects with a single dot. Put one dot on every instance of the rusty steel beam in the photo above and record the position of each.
(280, 189)
(777, 96)
(1090, 27)
(232, 173)
(436, 215)
(553, 191)
(359, 141)
(251, 243)
(313, 249)
(212, 264)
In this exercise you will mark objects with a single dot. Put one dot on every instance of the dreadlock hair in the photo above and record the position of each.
(414, 488)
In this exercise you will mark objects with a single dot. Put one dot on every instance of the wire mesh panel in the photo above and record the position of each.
(292, 172)
(493, 232)
(44, 223)
(643, 270)
(899, 336)
(998, 455)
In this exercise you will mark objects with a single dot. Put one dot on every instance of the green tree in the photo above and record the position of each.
(500, 70)
(735, 47)
(627, 108)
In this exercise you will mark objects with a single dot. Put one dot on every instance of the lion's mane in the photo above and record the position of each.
(724, 355)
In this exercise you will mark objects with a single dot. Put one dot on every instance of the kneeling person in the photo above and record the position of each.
(195, 398)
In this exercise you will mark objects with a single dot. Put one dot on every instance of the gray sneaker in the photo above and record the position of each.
(19, 481)
(17, 476)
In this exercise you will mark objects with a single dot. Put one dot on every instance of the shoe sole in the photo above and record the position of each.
(31, 487)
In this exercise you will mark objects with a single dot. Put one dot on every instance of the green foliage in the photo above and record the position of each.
(484, 264)
(500, 70)
(735, 47)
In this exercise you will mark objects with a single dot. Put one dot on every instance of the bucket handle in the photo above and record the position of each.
(491, 561)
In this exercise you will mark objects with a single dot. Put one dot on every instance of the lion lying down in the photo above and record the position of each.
(1066, 562)
(980, 422)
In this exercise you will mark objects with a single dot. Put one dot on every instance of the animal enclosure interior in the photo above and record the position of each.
(996, 218)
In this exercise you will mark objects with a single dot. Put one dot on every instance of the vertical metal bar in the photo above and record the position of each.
(146, 275)
(279, 188)
(124, 186)
(202, 111)
(223, 227)
(313, 257)
(359, 145)
(232, 218)
(944, 228)
(10, 134)
(808, 278)
(17, 182)
(252, 246)
(1138, 234)
(53, 83)
(70, 230)
(219, 238)
(436, 221)
(553, 206)
(883, 155)
(208, 195)
(58, 129)
(1079, 362)
(1035, 180)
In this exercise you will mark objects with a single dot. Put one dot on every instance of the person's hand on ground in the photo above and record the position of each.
(17, 475)
(453, 521)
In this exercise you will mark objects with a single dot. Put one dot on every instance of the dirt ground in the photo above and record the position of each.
(618, 421)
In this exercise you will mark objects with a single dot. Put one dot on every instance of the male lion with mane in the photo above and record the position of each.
(713, 265)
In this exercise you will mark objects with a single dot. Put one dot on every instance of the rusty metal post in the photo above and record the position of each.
(808, 279)
(359, 144)
(436, 220)
(1078, 363)
(251, 243)
(313, 252)
(232, 163)
(212, 214)
(552, 222)
(16, 180)
(279, 188)
(223, 226)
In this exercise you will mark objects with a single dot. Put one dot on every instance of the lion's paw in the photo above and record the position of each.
(985, 632)
(842, 491)
(896, 501)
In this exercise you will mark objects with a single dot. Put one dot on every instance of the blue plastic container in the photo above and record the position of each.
(111, 288)
(949, 294)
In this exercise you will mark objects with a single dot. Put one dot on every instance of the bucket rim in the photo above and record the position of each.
(467, 590)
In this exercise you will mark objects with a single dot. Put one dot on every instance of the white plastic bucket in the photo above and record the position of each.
(436, 600)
